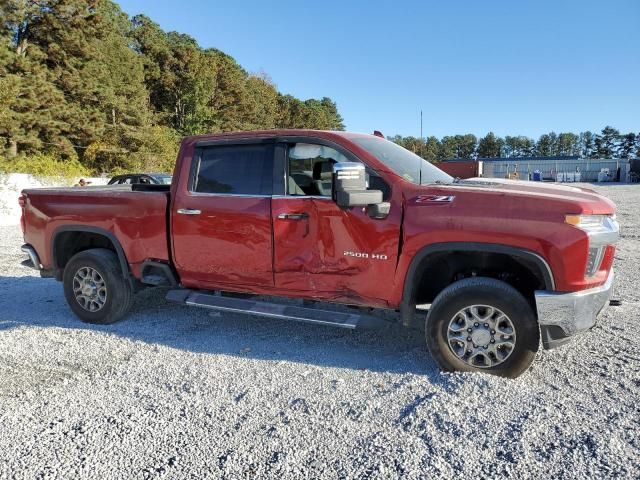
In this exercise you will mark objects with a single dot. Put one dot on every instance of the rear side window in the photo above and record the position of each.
(236, 169)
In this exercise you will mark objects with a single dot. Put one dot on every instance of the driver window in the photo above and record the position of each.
(309, 169)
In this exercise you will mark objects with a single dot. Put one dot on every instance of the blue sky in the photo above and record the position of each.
(513, 67)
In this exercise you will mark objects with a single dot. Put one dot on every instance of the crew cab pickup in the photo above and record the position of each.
(501, 265)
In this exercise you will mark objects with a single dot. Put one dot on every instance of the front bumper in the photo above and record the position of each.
(562, 315)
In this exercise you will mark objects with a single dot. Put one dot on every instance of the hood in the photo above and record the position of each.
(584, 200)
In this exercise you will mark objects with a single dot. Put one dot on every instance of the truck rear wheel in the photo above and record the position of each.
(482, 325)
(95, 287)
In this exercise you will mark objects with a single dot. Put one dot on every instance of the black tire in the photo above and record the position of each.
(489, 292)
(119, 294)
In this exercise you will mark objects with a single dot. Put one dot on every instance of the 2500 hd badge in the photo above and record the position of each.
(372, 256)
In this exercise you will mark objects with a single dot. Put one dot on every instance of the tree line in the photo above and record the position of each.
(82, 81)
(609, 143)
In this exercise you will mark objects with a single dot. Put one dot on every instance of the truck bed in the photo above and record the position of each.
(134, 214)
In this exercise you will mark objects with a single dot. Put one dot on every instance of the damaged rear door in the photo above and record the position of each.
(336, 253)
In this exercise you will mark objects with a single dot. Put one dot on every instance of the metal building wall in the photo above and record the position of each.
(588, 168)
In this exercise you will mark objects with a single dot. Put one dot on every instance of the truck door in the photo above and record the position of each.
(221, 221)
(336, 253)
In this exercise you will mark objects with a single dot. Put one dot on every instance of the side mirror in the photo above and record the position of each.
(350, 186)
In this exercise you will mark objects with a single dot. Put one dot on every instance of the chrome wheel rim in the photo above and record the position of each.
(90, 289)
(481, 336)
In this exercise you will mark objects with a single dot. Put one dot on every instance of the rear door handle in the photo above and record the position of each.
(188, 211)
(293, 216)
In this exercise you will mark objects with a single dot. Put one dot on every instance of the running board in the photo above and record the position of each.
(275, 310)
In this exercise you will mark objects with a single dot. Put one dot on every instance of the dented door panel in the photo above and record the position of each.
(339, 254)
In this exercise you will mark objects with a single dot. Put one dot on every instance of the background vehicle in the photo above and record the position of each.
(144, 178)
(502, 264)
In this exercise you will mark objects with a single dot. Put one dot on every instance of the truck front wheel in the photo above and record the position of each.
(95, 287)
(482, 325)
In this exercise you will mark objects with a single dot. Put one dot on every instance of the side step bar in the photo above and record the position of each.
(275, 310)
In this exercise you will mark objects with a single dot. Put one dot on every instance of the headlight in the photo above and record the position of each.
(591, 223)
(602, 230)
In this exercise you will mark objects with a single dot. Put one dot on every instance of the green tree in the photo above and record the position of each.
(177, 74)
(628, 146)
(334, 120)
(318, 114)
(263, 103)
(448, 147)
(518, 146)
(289, 112)
(431, 150)
(587, 145)
(458, 146)
(608, 143)
(77, 80)
(466, 146)
(553, 142)
(567, 144)
(198, 91)
(545, 147)
(32, 113)
(490, 146)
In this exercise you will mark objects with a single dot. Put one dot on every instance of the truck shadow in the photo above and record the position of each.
(34, 302)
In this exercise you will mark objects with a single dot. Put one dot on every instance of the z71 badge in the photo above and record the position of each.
(435, 199)
(372, 256)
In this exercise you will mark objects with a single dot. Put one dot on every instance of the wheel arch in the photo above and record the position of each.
(84, 237)
(528, 259)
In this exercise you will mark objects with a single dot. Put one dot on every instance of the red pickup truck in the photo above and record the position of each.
(502, 266)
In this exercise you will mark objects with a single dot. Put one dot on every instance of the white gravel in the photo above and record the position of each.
(173, 392)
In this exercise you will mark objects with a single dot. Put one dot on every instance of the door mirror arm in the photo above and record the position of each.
(379, 210)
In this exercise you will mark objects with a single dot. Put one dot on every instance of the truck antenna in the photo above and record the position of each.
(420, 159)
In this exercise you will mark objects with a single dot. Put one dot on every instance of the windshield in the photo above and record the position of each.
(164, 180)
(408, 165)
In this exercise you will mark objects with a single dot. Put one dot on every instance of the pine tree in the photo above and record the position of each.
(32, 107)
(448, 148)
(608, 143)
(587, 146)
(490, 146)
(333, 118)
(628, 147)
(432, 150)
(567, 144)
(545, 146)
(263, 103)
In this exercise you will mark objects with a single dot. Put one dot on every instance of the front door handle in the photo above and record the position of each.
(293, 216)
(188, 211)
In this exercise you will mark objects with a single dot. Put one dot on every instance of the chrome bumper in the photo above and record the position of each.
(562, 315)
(33, 261)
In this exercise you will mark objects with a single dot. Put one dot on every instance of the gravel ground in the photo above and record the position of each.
(173, 392)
